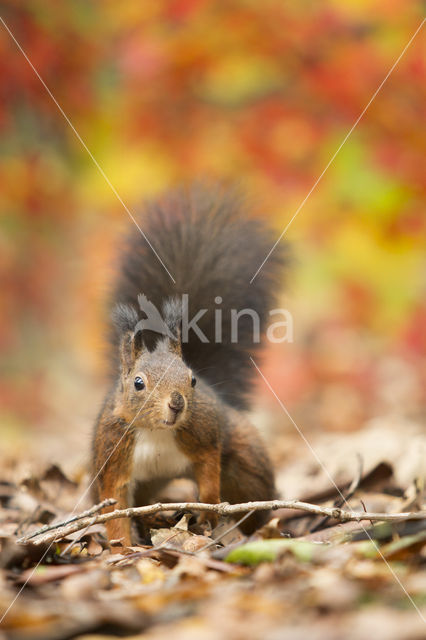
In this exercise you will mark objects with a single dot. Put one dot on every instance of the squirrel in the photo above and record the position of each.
(177, 406)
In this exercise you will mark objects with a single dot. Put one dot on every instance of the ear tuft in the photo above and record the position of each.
(172, 315)
(125, 318)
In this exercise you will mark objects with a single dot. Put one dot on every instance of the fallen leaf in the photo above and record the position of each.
(253, 553)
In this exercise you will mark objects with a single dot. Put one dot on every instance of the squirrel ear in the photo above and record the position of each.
(126, 351)
(137, 343)
(172, 314)
(131, 346)
(175, 344)
(127, 325)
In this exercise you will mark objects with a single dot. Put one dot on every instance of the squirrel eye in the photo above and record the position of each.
(193, 381)
(139, 384)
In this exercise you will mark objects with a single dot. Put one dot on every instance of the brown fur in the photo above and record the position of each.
(228, 460)
(112, 462)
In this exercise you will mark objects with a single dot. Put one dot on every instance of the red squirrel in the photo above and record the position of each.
(177, 405)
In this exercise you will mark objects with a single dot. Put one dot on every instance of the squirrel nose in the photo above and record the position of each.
(176, 402)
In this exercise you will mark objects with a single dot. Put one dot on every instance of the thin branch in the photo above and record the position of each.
(343, 498)
(61, 530)
(73, 542)
(108, 502)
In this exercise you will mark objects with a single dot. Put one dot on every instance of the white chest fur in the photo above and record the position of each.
(157, 455)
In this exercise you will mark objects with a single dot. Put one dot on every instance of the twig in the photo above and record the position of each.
(365, 511)
(56, 525)
(73, 542)
(61, 530)
(339, 502)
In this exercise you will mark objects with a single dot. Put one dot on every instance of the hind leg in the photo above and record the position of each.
(247, 473)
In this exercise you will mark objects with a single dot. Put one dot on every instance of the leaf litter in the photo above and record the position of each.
(299, 575)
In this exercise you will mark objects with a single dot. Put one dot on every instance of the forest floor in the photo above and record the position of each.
(323, 580)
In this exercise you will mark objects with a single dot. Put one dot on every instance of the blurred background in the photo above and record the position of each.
(261, 94)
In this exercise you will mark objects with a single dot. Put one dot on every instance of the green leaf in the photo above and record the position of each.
(268, 550)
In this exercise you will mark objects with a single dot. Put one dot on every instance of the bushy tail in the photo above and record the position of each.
(211, 250)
